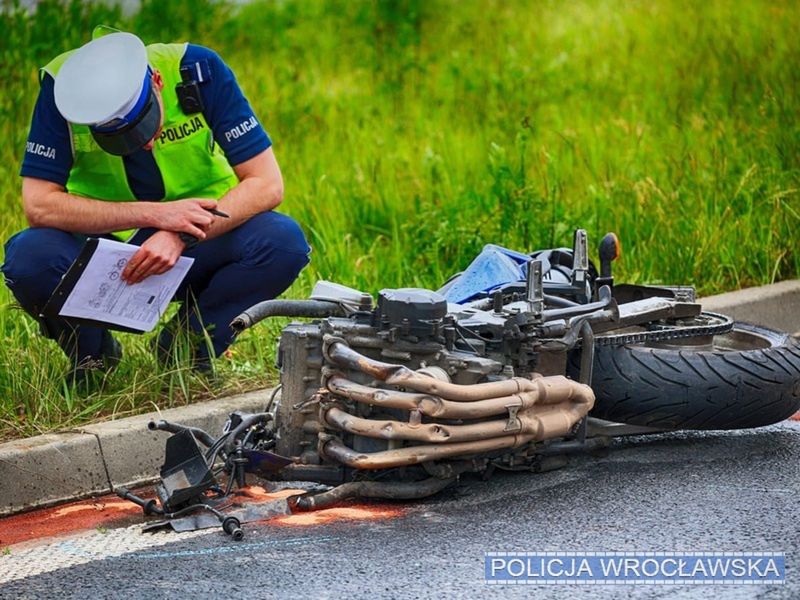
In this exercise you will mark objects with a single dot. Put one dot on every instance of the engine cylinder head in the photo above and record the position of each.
(414, 311)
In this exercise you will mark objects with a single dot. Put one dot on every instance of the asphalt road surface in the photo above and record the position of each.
(718, 491)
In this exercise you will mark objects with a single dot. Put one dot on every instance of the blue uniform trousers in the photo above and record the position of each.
(256, 261)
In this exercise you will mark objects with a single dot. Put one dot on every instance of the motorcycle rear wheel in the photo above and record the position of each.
(748, 377)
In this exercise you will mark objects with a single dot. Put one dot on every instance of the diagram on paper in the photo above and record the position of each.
(101, 295)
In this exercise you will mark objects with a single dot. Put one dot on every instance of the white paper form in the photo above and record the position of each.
(101, 295)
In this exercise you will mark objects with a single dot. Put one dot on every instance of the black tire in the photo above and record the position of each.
(749, 378)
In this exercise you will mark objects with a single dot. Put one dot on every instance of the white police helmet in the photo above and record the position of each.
(106, 84)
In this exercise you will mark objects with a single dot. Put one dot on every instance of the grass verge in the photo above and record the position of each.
(411, 133)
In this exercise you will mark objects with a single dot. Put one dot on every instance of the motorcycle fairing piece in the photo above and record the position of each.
(513, 364)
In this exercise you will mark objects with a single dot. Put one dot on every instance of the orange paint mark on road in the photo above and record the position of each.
(259, 494)
(105, 511)
(60, 520)
(345, 513)
(110, 511)
(107, 505)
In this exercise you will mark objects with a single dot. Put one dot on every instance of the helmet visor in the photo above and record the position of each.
(133, 135)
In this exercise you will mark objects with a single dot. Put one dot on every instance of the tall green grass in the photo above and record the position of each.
(411, 133)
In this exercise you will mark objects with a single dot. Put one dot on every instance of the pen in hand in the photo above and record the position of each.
(191, 241)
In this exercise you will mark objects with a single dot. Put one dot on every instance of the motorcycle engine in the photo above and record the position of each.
(409, 326)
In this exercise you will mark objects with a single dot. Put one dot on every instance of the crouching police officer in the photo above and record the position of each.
(137, 143)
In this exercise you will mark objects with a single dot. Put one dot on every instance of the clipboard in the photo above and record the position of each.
(56, 301)
(92, 291)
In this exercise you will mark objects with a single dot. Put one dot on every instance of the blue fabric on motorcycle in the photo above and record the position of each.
(493, 267)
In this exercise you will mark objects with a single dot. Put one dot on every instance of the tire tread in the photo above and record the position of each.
(704, 389)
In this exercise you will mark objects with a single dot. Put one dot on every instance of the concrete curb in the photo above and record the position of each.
(48, 469)
(53, 468)
(776, 306)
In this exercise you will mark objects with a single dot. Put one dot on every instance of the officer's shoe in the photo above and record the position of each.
(88, 373)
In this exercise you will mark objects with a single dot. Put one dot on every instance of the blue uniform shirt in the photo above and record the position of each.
(48, 153)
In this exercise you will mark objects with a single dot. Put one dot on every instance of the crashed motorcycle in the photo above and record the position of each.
(514, 364)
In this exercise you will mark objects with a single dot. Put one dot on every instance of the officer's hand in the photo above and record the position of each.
(158, 254)
(189, 216)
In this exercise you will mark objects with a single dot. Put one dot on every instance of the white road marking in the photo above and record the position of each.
(75, 550)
